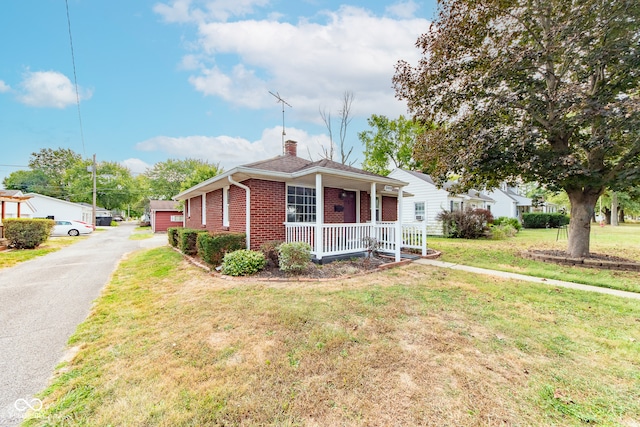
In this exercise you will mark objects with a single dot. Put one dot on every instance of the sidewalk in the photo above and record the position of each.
(516, 276)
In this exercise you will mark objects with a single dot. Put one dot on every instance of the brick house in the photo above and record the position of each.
(288, 198)
(164, 214)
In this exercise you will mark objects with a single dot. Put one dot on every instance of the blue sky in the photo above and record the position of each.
(191, 78)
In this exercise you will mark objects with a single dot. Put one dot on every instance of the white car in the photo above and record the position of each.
(71, 228)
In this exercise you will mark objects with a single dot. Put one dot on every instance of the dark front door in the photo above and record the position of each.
(349, 207)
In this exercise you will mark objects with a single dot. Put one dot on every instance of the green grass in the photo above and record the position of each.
(12, 257)
(504, 255)
(141, 233)
(169, 345)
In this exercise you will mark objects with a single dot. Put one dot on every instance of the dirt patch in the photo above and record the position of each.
(594, 260)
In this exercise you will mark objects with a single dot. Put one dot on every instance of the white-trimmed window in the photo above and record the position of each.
(378, 204)
(204, 209)
(301, 204)
(177, 218)
(418, 211)
(225, 206)
(189, 208)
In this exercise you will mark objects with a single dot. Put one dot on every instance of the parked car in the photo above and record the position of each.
(118, 218)
(71, 228)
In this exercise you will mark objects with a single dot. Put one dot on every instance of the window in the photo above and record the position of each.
(301, 204)
(225, 206)
(378, 200)
(177, 218)
(456, 206)
(418, 211)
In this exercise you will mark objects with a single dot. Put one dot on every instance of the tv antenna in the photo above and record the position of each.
(283, 102)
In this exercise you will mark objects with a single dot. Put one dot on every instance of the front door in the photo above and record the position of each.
(349, 207)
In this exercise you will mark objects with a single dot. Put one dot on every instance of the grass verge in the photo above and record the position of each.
(504, 255)
(12, 257)
(168, 345)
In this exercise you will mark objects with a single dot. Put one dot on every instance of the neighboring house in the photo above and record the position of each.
(331, 206)
(165, 214)
(509, 203)
(50, 207)
(428, 200)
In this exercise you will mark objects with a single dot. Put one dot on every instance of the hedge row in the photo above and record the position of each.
(210, 247)
(27, 233)
(544, 220)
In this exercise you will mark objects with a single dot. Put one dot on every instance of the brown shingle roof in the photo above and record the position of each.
(163, 205)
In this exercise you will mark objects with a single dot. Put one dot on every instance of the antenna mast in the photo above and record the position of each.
(283, 102)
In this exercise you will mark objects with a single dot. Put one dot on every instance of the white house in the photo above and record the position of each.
(428, 200)
(10, 210)
(509, 203)
(50, 207)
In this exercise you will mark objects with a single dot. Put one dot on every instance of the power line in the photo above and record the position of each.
(75, 77)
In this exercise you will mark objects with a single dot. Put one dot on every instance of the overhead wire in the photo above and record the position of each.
(75, 78)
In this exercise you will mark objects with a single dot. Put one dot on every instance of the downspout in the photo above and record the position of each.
(247, 192)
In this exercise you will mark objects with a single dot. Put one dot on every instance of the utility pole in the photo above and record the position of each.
(93, 168)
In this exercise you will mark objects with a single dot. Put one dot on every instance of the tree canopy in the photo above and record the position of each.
(543, 90)
(389, 144)
(166, 178)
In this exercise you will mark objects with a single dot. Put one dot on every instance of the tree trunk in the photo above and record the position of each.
(621, 215)
(607, 216)
(583, 202)
(614, 209)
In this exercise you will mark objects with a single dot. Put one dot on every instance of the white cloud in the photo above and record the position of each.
(231, 152)
(136, 166)
(4, 87)
(403, 10)
(310, 63)
(49, 89)
(202, 10)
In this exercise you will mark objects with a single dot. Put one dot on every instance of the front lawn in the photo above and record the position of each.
(504, 255)
(9, 258)
(169, 345)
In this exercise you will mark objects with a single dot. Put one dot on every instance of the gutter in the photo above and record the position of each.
(247, 192)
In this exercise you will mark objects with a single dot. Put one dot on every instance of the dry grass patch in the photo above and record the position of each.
(11, 257)
(169, 345)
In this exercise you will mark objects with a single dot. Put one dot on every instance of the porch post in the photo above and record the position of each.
(319, 238)
(18, 211)
(424, 231)
(398, 225)
(373, 204)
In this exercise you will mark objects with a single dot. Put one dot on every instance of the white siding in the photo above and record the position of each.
(60, 209)
(504, 205)
(435, 200)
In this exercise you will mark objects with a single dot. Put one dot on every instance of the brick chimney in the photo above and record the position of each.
(290, 148)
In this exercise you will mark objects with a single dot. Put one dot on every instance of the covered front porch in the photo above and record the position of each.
(364, 232)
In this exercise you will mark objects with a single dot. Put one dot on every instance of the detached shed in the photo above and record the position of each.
(165, 214)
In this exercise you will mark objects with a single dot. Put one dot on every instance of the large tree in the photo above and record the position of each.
(54, 164)
(166, 178)
(543, 90)
(389, 143)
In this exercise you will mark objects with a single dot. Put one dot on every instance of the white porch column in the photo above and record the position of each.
(424, 231)
(373, 204)
(319, 238)
(399, 226)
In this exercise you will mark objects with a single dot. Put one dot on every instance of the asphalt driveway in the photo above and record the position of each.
(42, 301)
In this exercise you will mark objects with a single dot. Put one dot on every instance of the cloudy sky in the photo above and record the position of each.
(191, 78)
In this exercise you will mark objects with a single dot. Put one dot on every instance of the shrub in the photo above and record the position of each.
(114, 223)
(213, 247)
(502, 231)
(467, 224)
(172, 236)
(294, 256)
(544, 220)
(187, 240)
(23, 233)
(514, 222)
(270, 251)
(243, 262)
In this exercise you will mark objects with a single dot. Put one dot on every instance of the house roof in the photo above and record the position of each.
(422, 176)
(163, 205)
(290, 168)
(520, 200)
(53, 199)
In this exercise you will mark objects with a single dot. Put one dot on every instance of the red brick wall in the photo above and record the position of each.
(331, 199)
(195, 219)
(365, 206)
(267, 211)
(214, 210)
(163, 220)
(389, 208)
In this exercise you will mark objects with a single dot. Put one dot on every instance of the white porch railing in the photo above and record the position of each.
(340, 239)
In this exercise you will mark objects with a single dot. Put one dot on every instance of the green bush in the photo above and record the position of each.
(544, 220)
(243, 263)
(187, 240)
(213, 247)
(172, 236)
(514, 222)
(467, 224)
(27, 233)
(502, 231)
(270, 251)
(294, 256)
(114, 223)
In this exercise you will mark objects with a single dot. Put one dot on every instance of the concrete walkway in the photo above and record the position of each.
(516, 276)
